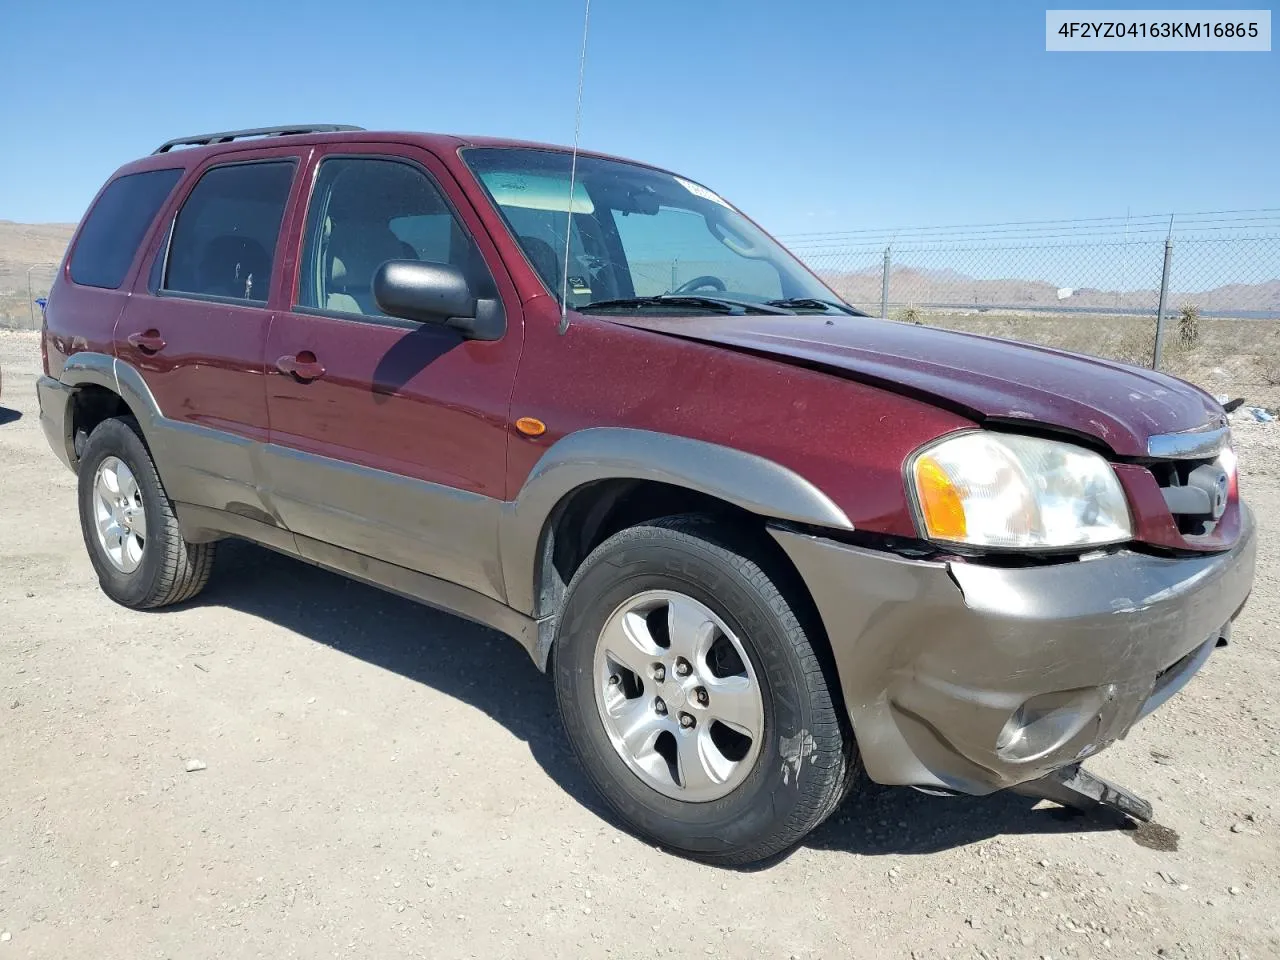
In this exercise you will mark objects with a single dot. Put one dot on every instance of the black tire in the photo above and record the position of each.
(171, 570)
(783, 797)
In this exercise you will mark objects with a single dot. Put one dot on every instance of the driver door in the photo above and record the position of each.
(388, 438)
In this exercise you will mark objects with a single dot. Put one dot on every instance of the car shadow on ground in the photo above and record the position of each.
(492, 673)
(9, 415)
(880, 820)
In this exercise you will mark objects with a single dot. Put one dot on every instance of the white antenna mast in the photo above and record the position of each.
(573, 175)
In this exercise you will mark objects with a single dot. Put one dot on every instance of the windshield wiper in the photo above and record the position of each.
(813, 303)
(717, 304)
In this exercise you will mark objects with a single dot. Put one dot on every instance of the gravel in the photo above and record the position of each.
(291, 844)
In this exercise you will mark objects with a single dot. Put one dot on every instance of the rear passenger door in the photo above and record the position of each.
(198, 329)
(388, 437)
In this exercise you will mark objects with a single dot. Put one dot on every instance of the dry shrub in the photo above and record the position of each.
(1136, 346)
(1189, 325)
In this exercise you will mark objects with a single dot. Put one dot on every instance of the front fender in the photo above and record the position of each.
(745, 480)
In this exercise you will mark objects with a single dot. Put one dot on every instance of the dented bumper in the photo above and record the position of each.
(972, 678)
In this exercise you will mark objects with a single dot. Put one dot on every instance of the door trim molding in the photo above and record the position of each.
(205, 523)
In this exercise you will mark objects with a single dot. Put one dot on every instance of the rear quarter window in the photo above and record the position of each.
(116, 225)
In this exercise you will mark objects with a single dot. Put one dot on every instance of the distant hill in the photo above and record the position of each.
(23, 247)
(933, 287)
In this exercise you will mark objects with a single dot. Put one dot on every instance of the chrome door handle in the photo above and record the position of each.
(304, 366)
(148, 342)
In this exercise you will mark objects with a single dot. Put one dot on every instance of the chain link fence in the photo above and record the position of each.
(1209, 282)
(23, 288)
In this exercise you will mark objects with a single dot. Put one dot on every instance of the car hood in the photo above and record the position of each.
(987, 379)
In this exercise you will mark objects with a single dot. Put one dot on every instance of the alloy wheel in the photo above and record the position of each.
(678, 696)
(119, 515)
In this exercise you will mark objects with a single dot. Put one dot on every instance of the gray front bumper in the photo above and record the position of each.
(973, 678)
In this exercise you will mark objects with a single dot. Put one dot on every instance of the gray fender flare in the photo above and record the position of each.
(98, 369)
(88, 369)
(188, 457)
(743, 479)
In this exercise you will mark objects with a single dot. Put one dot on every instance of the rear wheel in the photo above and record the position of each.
(694, 695)
(128, 523)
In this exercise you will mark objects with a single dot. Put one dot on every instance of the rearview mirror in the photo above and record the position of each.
(435, 293)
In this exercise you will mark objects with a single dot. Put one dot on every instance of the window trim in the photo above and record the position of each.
(160, 260)
(375, 319)
(379, 319)
(163, 254)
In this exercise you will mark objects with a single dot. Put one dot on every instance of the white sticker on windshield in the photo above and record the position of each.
(700, 191)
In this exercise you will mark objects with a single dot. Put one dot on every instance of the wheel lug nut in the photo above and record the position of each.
(682, 667)
(614, 680)
(686, 721)
(702, 697)
(659, 672)
(659, 707)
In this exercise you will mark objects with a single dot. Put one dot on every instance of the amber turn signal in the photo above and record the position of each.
(531, 426)
(939, 501)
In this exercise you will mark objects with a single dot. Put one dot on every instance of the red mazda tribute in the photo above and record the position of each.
(765, 545)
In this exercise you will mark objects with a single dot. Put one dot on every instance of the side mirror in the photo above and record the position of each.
(435, 293)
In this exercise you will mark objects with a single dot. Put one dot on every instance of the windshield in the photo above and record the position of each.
(636, 232)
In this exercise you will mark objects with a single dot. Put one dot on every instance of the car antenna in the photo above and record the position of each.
(573, 175)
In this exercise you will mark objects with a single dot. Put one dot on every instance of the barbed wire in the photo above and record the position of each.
(1267, 216)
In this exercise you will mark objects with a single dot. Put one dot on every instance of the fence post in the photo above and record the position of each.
(1164, 296)
(884, 288)
(31, 303)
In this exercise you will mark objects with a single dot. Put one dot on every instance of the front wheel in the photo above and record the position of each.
(128, 523)
(695, 697)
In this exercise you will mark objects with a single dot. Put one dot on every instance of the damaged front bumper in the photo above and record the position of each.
(970, 678)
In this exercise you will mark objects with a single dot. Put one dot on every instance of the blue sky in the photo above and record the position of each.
(811, 116)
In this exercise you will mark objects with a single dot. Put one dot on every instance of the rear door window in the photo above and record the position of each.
(116, 225)
(224, 239)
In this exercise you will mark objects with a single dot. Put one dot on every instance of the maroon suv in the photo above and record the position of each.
(762, 542)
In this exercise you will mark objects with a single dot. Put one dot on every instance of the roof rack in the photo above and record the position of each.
(226, 136)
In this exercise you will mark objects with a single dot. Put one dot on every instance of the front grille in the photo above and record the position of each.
(1195, 470)
(1188, 491)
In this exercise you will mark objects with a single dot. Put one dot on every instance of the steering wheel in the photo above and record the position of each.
(697, 283)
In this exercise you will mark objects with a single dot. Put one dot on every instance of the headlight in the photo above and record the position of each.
(999, 490)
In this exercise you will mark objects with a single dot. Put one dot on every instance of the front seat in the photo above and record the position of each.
(357, 248)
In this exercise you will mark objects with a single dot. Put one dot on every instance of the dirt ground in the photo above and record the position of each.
(380, 780)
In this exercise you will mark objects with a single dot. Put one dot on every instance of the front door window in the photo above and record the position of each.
(364, 212)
